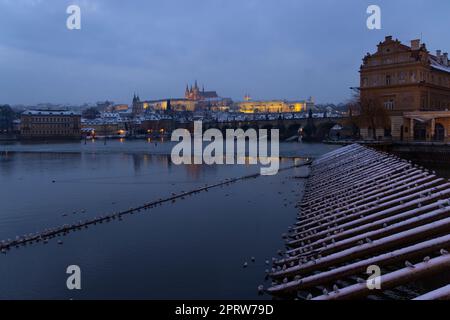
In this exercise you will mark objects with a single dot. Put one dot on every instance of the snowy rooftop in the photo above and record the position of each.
(435, 64)
(50, 113)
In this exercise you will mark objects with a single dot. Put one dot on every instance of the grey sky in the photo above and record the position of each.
(269, 48)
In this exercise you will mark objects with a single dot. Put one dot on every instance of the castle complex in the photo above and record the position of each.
(194, 93)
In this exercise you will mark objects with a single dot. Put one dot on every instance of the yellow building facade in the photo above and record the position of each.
(273, 106)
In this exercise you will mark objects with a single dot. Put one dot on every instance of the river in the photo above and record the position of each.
(193, 248)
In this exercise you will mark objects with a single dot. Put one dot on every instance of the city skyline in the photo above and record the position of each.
(259, 48)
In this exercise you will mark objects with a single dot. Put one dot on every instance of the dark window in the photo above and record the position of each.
(388, 80)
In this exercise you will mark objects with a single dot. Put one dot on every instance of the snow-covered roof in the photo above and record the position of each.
(50, 113)
(436, 64)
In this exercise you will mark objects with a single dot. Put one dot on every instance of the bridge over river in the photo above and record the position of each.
(288, 127)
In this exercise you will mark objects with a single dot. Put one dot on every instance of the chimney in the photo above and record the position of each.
(415, 44)
(438, 53)
(445, 59)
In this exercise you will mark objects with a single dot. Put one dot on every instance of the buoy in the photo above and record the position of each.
(261, 289)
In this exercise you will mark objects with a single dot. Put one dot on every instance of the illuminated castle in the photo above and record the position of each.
(194, 93)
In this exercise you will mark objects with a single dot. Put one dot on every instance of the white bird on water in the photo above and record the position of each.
(443, 252)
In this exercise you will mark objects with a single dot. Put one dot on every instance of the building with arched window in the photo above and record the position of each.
(413, 85)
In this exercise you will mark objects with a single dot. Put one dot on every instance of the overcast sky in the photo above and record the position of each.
(287, 49)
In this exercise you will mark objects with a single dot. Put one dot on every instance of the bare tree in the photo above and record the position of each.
(373, 115)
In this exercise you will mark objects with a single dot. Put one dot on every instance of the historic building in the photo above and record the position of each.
(413, 86)
(54, 124)
(274, 106)
(194, 93)
(137, 106)
(195, 99)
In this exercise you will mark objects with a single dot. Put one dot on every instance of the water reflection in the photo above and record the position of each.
(199, 242)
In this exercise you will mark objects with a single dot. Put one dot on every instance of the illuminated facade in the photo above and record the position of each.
(274, 106)
(177, 105)
(194, 93)
(407, 81)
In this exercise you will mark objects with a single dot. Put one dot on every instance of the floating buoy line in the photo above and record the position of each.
(51, 233)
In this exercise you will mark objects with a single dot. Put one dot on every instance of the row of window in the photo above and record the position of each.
(59, 125)
(50, 132)
(405, 77)
(51, 119)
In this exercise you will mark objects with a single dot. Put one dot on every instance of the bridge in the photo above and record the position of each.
(287, 127)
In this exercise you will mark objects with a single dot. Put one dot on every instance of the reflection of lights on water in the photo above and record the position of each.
(121, 140)
(149, 140)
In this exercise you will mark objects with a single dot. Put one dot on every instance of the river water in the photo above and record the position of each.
(194, 248)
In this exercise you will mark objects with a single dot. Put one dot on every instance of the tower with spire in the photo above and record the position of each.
(137, 106)
(194, 93)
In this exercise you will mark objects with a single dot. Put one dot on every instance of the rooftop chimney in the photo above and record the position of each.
(415, 44)
(445, 59)
(438, 53)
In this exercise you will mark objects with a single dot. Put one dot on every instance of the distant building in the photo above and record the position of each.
(54, 124)
(413, 85)
(195, 99)
(194, 93)
(105, 105)
(274, 106)
(137, 106)
(103, 127)
(118, 108)
(166, 105)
